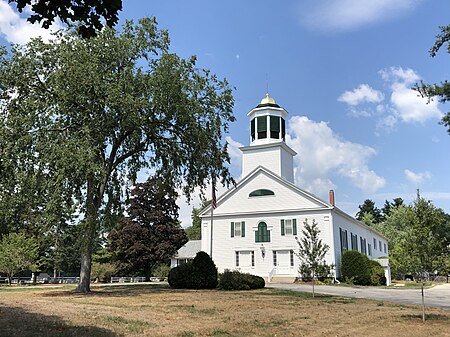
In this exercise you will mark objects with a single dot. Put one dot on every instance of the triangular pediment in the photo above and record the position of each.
(286, 196)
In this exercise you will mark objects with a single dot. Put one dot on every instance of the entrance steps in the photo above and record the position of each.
(282, 279)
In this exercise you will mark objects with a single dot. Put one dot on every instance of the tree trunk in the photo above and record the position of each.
(423, 304)
(313, 280)
(88, 239)
(84, 285)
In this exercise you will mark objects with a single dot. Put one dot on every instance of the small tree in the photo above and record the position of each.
(311, 250)
(17, 253)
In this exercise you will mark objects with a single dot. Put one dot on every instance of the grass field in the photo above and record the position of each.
(156, 310)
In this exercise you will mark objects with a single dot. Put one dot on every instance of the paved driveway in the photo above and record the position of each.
(438, 296)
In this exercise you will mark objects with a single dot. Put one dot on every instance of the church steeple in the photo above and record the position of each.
(267, 122)
(267, 141)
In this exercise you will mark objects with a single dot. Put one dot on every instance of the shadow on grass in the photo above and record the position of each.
(428, 317)
(19, 322)
(290, 293)
(119, 291)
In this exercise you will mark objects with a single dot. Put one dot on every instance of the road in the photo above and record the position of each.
(438, 296)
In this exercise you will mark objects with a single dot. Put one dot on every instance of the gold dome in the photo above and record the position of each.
(267, 100)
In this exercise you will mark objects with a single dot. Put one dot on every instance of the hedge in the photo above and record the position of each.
(234, 280)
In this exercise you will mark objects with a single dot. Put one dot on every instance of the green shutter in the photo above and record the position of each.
(252, 127)
(232, 229)
(243, 229)
(282, 227)
(256, 236)
(294, 226)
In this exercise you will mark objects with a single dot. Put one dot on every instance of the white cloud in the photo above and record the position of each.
(322, 154)
(407, 104)
(345, 15)
(17, 30)
(417, 178)
(364, 93)
(404, 104)
(234, 152)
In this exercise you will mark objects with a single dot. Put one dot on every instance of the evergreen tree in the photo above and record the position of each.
(369, 207)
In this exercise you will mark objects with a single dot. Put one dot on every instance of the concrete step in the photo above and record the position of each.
(283, 279)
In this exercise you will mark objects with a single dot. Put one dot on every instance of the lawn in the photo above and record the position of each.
(156, 310)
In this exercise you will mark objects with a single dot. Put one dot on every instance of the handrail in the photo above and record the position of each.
(271, 273)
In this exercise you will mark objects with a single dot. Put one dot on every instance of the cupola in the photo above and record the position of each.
(267, 122)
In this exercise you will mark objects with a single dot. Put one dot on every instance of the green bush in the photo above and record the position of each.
(161, 271)
(234, 280)
(200, 274)
(356, 267)
(102, 271)
(181, 277)
(377, 277)
(205, 272)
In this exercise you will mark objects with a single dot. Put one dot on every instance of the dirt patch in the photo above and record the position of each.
(159, 311)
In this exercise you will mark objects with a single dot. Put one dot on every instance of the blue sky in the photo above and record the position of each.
(343, 70)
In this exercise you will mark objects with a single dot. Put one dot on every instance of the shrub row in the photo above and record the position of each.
(358, 269)
(234, 280)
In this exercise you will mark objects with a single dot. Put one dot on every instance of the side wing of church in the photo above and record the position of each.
(254, 227)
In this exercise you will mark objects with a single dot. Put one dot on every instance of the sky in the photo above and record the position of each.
(342, 69)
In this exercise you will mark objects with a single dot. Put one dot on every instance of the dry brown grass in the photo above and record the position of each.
(158, 311)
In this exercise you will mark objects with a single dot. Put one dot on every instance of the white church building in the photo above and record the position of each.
(254, 227)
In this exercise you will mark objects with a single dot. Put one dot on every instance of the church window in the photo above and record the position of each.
(262, 234)
(252, 129)
(379, 245)
(385, 250)
(288, 227)
(363, 246)
(260, 193)
(374, 243)
(237, 229)
(275, 127)
(283, 129)
(261, 124)
(344, 239)
(354, 241)
(369, 248)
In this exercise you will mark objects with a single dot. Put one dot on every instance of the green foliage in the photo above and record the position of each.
(311, 251)
(442, 90)
(150, 233)
(356, 267)
(103, 271)
(181, 277)
(377, 277)
(194, 232)
(17, 253)
(81, 117)
(200, 274)
(369, 207)
(161, 271)
(235, 280)
(89, 13)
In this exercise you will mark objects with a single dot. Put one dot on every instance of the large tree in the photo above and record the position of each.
(442, 90)
(151, 232)
(88, 13)
(85, 116)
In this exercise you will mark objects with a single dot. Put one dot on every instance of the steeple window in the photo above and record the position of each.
(262, 127)
(275, 127)
(252, 129)
(283, 129)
